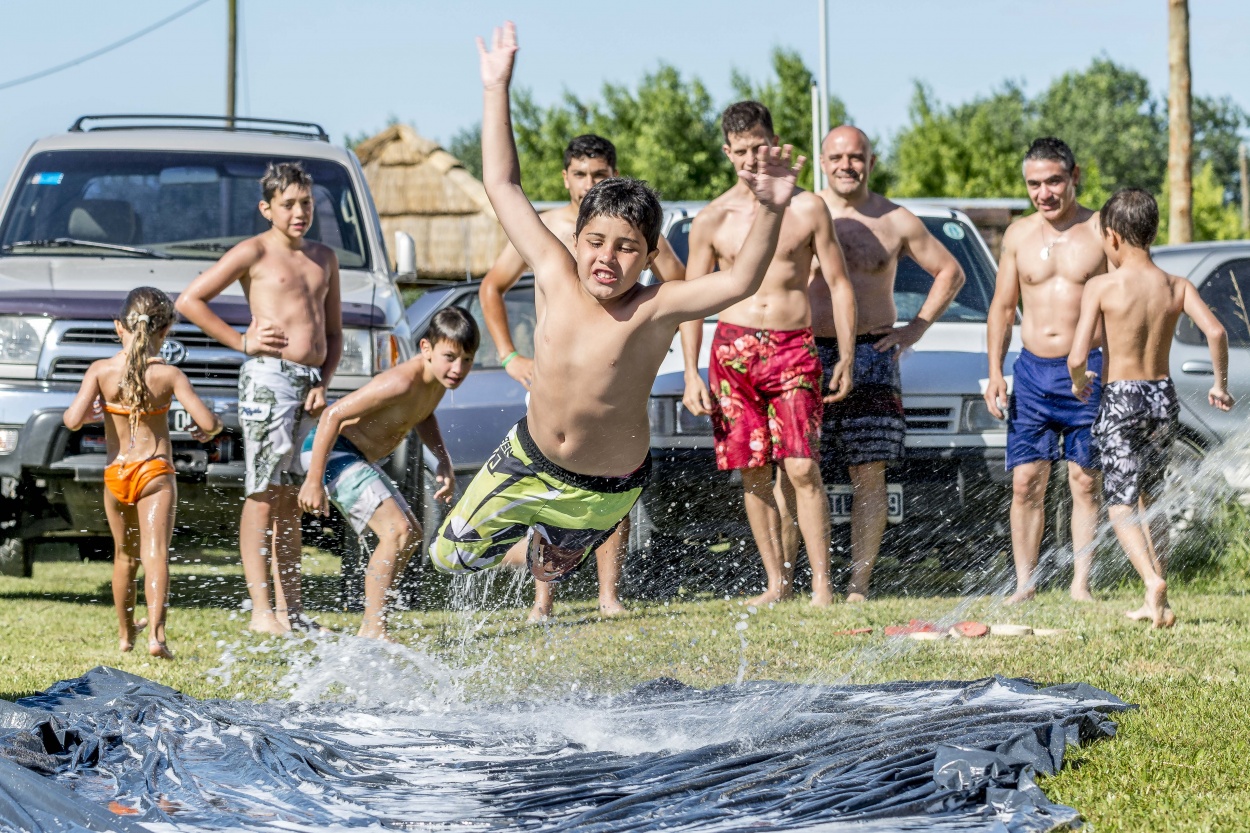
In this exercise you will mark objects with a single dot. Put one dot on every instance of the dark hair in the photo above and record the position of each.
(146, 314)
(1051, 149)
(280, 176)
(590, 146)
(455, 325)
(1133, 214)
(744, 116)
(627, 199)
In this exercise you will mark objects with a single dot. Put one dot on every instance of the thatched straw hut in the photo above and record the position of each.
(424, 190)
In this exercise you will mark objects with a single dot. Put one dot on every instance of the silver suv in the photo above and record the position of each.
(124, 201)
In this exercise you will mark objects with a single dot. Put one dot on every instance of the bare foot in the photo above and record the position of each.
(379, 634)
(856, 598)
(126, 642)
(1021, 596)
(158, 649)
(1140, 614)
(769, 597)
(1166, 619)
(1161, 616)
(822, 598)
(266, 623)
(126, 645)
(1081, 594)
(538, 615)
(613, 608)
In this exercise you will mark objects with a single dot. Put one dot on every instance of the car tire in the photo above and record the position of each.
(96, 549)
(15, 558)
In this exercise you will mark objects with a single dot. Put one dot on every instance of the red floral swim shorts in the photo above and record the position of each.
(765, 386)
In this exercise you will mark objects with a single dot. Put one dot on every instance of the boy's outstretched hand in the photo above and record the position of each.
(770, 175)
(497, 63)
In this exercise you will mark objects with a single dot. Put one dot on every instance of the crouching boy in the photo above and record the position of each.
(341, 454)
(567, 474)
(1138, 304)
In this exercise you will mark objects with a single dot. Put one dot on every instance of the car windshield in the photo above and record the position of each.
(912, 284)
(181, 204)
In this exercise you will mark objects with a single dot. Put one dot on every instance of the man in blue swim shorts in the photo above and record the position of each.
(1047, 258)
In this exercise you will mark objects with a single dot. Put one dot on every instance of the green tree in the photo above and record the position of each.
(970, 150)
(466, 146)
(1215, 218)
(541, 134)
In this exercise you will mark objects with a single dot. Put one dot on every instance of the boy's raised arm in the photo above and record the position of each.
(501, 173)
(1217, 342)
(771, 178)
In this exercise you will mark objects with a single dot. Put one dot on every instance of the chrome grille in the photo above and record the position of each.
(207, 374)
(105, 335)
(931, 420)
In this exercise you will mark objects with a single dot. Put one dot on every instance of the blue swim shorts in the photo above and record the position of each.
(356, 486)
(1042, 409)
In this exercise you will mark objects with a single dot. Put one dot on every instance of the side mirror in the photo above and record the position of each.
(405, 255)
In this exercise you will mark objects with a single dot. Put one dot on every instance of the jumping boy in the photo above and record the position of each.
(566, 474)
(340, 456)
(292, 346)
(1137, 305)
(588, 160)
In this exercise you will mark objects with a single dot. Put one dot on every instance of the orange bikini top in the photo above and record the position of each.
(123, 411)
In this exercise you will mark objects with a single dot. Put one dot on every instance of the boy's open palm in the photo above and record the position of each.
(771, 177)
(497, 63)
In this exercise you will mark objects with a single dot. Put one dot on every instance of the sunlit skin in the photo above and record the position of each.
(292, 288)
(1137, 306)
(807, 236)
(1049, 289)
(376, 418)
(874, 233)
(141, 531)
(600, 337)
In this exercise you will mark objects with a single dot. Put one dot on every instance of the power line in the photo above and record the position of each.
(44, 73)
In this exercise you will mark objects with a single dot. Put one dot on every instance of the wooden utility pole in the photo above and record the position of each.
(1244, 164)
(232, 54)
(1180, 127)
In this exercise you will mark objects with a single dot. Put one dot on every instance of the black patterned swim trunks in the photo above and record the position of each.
(868, 426)
(1136, 424)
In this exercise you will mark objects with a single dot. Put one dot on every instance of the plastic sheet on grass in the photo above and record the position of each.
(112, 751)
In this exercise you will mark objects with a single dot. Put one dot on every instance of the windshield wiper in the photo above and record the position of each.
(208, 246)
(56, 242)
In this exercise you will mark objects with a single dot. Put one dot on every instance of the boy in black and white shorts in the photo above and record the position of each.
(1138, 305)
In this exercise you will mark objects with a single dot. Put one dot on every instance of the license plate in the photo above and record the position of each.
(180, 420)
(841, 494)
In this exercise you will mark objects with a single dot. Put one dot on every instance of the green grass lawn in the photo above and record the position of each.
(1179, 763)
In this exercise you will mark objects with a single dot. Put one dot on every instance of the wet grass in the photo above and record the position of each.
(1178, 763)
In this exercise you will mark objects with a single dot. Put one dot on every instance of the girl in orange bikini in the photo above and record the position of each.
(131, 393)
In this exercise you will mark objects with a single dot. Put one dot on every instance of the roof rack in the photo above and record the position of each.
(241, 124)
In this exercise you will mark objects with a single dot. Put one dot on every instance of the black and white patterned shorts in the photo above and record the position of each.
(1134, 431)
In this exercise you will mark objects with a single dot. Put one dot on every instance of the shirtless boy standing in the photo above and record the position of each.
(765, 371)
(865, 431)
(574, 466)
(1137, 305)
(340, 456)
(1047, 259)
(588, 160)
(293, 346)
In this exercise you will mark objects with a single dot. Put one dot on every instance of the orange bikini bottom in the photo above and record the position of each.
(128, 480)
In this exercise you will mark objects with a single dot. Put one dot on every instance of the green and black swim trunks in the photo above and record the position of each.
(520, 493)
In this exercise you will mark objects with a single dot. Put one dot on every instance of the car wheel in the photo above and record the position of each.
(96, 549)
(15, 558)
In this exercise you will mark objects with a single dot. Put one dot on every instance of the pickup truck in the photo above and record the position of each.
(123, 201)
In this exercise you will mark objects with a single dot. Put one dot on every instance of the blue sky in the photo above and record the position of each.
(351, 65)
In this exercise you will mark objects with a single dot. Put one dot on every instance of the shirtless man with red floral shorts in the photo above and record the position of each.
(766, 398)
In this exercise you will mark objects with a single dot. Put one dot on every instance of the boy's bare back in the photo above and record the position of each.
(1140, 306)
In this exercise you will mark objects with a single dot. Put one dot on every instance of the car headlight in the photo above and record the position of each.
(21, 338)
(978, 419)
(357, 358)
(8, 438)
(668, 417)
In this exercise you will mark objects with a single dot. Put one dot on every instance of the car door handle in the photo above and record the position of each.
(1198, 368)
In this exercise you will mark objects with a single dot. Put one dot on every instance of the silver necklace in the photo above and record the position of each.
(1046, 247)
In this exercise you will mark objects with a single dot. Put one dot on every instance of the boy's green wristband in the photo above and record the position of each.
(509, 357)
